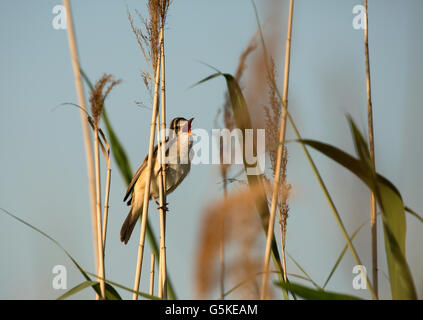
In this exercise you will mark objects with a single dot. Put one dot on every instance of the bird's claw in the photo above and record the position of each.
(164, 207)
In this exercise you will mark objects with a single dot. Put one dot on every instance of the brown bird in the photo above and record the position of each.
(177, 162)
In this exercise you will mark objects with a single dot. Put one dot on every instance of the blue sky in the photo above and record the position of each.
(43, 174)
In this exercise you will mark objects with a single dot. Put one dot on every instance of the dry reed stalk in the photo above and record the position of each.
(279, 155)
(152, 274)
(159, 9)
(148, 178)
(372, 153)
(162, 253)
(224, 174)
(162, 258)
(97, 99)
(283, 235)
(107, 194)
(106, 205)
(222, 258)
(149, 40)
(85, 129)
(100, 270)
(318, 175)
(161, 213)
(162, 265)
(160, 292)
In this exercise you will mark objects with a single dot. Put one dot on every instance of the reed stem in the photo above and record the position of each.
(100, 271)
(163, 283)
(106, 203)
(314, 168)
(284, 274)
(222, 242)
(148, 178)
(224, 174)
(85, 129)
(331, 204)
(162, 254)
(152, 274)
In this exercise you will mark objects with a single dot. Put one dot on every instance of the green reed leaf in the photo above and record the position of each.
(392, 208)
(314, 294)
(338, 261)
(109, 290)
(78, 288)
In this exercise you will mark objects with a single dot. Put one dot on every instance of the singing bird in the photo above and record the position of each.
(178, 145)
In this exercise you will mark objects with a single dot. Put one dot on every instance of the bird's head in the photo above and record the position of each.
(179, 124)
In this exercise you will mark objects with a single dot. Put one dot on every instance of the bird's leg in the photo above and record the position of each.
(155, 200)
(164, 207)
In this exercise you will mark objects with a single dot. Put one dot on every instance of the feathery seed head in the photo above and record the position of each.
(98, 97)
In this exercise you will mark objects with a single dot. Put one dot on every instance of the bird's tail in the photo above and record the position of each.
(129, 224)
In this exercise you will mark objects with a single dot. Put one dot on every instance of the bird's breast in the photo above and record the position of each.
(175, 174)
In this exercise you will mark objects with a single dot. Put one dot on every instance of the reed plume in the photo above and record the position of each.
(101, 90)
(228, 117)
(148, 37)
(281, 144)
(241, 234)
(272, 120)
(97, 99)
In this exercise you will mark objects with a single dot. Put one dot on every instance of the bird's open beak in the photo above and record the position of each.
(189, 125)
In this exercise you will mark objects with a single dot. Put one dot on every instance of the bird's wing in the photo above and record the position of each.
(139, 172)
(135, 178)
